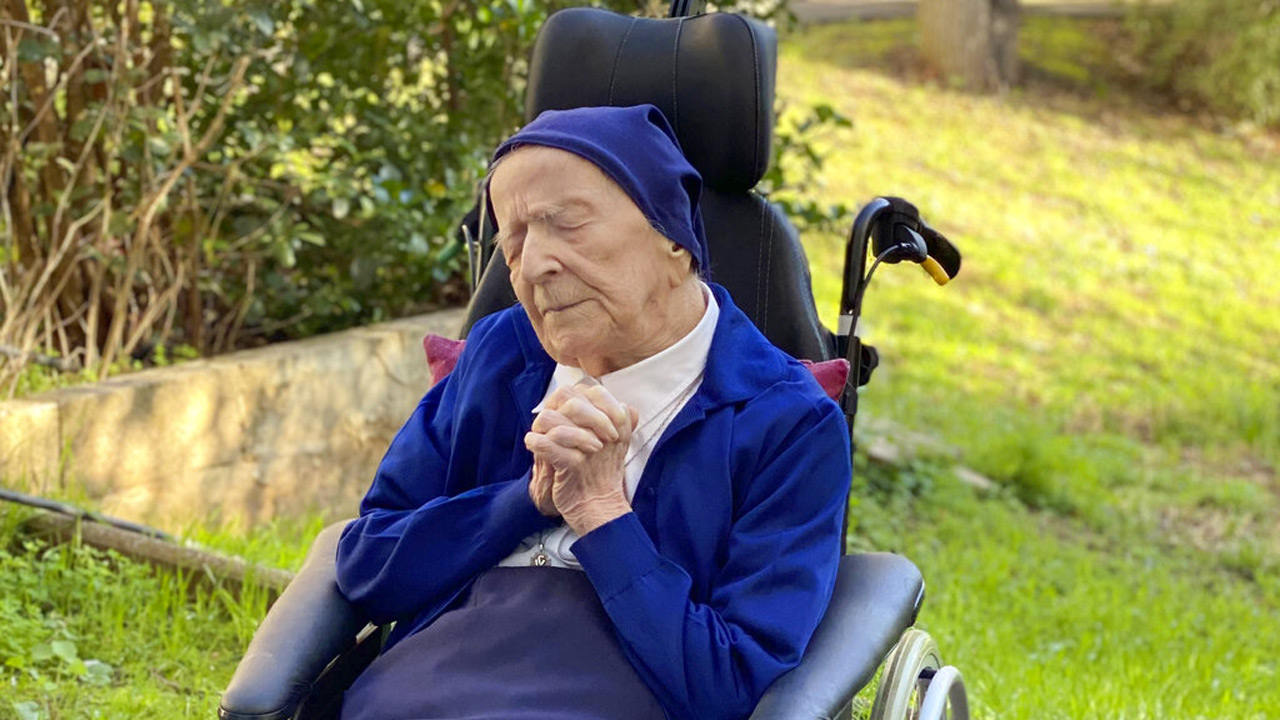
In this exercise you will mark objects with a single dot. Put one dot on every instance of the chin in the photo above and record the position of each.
(568, 350)
(581, 331)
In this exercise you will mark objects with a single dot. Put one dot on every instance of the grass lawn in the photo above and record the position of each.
(90, 634)
(1107, 354)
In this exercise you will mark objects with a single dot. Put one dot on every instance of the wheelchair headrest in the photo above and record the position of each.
(711, 75)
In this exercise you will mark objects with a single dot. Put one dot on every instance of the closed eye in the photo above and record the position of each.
(570, 225)
(510, 243)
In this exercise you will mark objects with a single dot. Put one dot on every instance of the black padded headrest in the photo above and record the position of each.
(711, 75)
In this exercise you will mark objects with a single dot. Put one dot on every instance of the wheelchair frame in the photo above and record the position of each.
(914, 683)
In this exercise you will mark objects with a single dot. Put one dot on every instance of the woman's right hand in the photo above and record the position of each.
(572, 421)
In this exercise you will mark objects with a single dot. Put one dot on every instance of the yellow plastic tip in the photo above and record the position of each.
(935, 271)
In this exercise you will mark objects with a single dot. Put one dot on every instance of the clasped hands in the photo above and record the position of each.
(579, 443)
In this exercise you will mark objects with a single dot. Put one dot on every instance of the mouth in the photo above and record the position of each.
(562, 308)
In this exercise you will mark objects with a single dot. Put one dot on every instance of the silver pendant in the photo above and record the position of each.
(540, 558)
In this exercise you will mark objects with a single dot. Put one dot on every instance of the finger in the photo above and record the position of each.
(561, 395)
(541, 486)
(633, 419)
(547, 419)
(576, 413)
(604, 400)
(540, 480)
(581, 412)
(560, 457)
(572, 436)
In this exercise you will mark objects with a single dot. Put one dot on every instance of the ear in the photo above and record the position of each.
(681, 258)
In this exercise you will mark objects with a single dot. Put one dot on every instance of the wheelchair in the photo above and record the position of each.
(713, 76)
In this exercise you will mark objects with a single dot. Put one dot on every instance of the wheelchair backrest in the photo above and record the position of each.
(713, 77)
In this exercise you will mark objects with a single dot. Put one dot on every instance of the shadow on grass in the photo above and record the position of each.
(1068, 65)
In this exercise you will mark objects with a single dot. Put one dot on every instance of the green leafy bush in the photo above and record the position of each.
(358, 148)
(792, 180)
(217, 174)
(361, 145)
(1220, 54)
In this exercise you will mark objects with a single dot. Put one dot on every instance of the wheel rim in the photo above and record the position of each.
(945, 688)
(902, 690)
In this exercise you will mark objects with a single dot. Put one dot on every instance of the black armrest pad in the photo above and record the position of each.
(309, 625)
(875, 601)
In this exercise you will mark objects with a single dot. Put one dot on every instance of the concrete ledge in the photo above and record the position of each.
(29, 444)
(282, 430)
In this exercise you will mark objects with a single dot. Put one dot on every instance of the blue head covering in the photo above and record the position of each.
(637, 149)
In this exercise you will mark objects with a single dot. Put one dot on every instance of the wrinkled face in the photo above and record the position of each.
(594, 277)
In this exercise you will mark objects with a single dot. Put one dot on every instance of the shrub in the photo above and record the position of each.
(1223, 55)
(209, 173)
(215, 174)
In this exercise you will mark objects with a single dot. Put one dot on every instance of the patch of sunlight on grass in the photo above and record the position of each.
(1120, 266)
(1107, 355)
(280, 543)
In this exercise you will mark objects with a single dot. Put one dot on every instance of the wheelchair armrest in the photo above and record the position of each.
(307, 627)
(876, 598)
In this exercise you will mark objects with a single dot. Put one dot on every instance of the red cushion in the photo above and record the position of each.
(442, 355)
(830, 374)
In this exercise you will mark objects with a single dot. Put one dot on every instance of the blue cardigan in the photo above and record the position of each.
(714, 582)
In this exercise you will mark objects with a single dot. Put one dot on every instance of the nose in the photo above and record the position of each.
(538, 259)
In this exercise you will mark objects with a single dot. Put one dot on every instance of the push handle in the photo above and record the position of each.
(943, 261)
(900, 232)
(893, 229)
(936, 271)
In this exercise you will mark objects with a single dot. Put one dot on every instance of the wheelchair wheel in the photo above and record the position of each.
(916, 686)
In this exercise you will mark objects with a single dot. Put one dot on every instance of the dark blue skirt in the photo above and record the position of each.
(522, 643)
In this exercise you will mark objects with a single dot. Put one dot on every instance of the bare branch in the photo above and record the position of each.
(53, 94)
(183, 128)
(29, 26)
(205, 77)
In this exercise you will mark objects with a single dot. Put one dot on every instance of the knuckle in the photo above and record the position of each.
(561, 434)
(602, 398)
(577, 407)
(563, 395)
(546, 420)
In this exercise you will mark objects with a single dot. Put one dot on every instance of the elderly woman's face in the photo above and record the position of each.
(592, 274)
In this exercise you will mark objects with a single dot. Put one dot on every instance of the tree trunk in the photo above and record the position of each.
(973, 42)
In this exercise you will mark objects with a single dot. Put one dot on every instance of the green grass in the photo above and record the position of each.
(1107, 355)
(1119, 296)
(1048, 622)
(91, 634)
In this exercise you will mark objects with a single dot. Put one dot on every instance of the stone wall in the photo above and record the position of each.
(283, 430)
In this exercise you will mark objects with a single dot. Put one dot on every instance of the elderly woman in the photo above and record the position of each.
(624, 502)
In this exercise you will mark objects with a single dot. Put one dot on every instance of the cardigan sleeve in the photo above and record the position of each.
(715, 659)
(414, 545)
